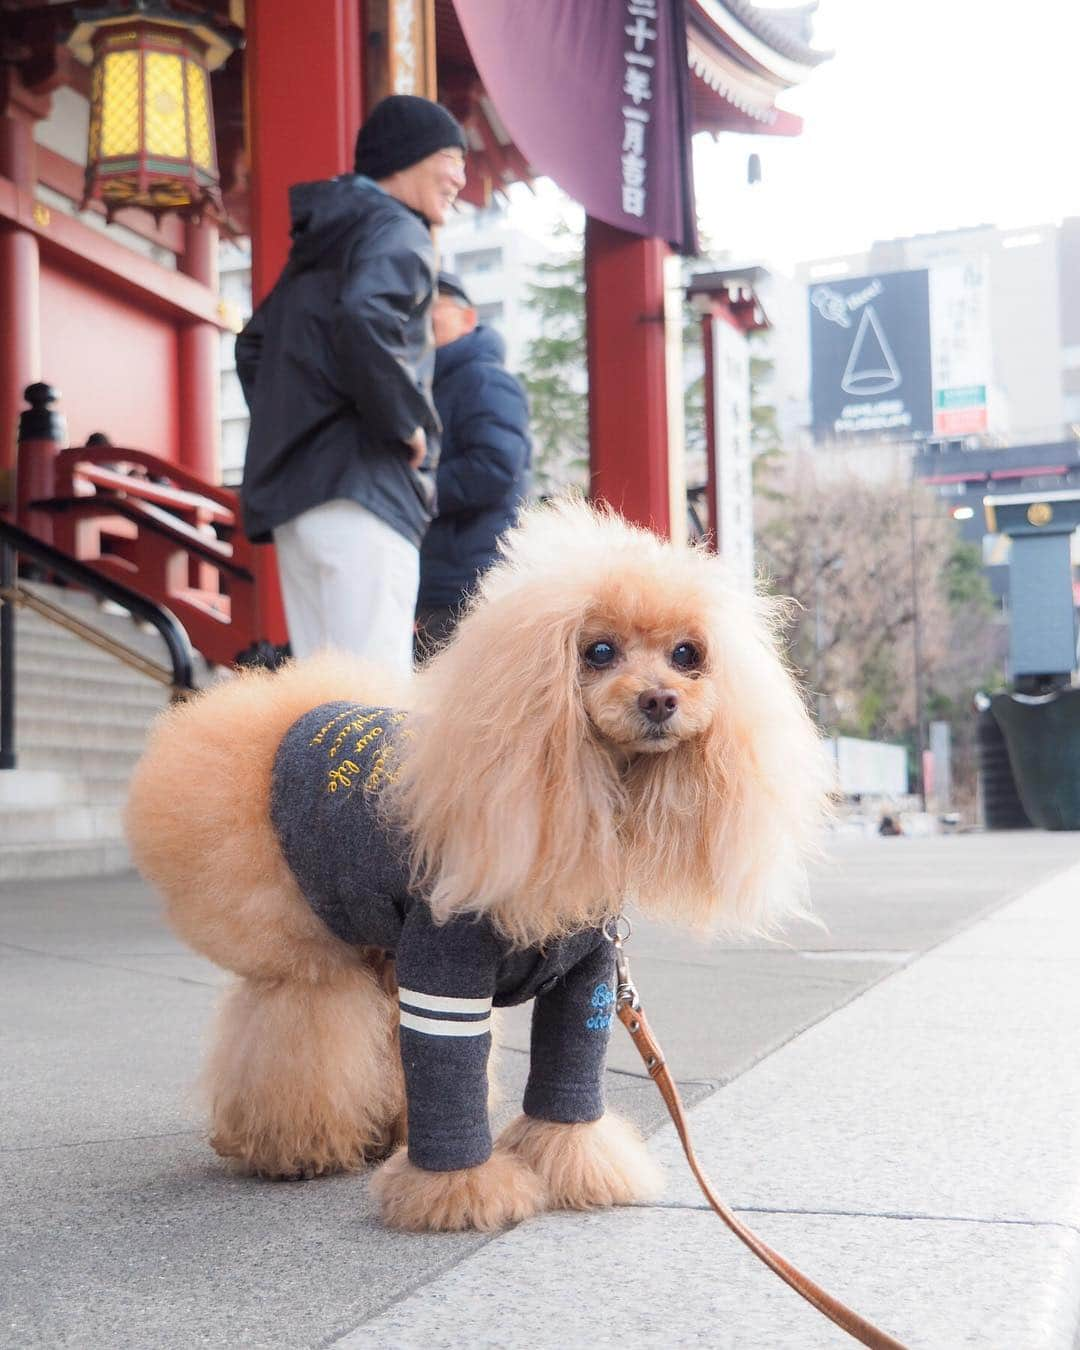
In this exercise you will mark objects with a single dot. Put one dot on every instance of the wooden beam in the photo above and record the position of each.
(81, 250)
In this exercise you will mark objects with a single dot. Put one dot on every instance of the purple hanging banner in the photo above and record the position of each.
(597, 97)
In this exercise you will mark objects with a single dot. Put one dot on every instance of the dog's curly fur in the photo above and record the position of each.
(536, 791)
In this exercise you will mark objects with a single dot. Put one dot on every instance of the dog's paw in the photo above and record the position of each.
(497, 1193)
(588, 1166)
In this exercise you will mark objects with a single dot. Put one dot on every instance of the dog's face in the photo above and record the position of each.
(612, 718)
(645, 670)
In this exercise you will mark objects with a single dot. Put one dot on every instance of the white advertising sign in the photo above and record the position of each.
(731, 451)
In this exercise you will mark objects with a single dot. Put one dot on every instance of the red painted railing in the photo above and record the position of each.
(161, 531)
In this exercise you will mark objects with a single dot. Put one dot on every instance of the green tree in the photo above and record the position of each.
(555, 371)
(765, 440)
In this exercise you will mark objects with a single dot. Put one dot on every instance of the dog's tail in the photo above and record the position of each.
(198, 822)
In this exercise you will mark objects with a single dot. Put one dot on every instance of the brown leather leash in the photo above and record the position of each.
(629, 1011)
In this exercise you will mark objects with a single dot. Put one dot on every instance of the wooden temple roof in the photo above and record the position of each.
(742, 58)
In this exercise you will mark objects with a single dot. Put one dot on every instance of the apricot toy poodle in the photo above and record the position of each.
(381, 863)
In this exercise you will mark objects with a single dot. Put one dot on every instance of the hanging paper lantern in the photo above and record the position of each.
(151, 140)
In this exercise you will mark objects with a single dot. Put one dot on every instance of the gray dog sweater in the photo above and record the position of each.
(353, 868)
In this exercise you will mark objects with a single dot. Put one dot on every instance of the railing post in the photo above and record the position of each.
(42, 435)
(7, 657)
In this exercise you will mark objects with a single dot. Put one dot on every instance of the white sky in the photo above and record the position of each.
(933, 114)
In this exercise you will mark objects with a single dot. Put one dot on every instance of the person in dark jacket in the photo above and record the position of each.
(336, 366)
(483, 472)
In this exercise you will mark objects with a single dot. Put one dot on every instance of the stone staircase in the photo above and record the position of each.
(81, 720)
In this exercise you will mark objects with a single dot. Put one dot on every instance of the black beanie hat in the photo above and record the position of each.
(402, 130)
(448, 284)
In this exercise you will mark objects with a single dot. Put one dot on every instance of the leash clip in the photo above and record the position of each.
(618, 930)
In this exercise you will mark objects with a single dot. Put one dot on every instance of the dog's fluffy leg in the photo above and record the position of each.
(305, 1078)
(586, 1166)
(497, 1193)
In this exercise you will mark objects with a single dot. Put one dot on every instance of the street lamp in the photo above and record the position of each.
(916, 645)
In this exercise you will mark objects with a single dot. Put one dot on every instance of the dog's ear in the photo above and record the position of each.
(509, 802)
(733, 814)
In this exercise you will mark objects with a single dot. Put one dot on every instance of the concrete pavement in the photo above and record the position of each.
(892, 1100)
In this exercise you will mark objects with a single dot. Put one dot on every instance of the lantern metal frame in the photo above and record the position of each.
(177, 52)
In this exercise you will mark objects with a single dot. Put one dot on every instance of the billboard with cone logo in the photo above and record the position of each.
(871, 374)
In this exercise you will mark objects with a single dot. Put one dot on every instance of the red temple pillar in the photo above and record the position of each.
(20, 320)
(628, 404)
(304, 100)
(304, 110)
(199, 375)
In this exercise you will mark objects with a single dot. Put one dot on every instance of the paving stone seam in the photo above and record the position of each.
(407, 1293)
(996, 958)
(914, 1216)
(91, 1143)
(738, 953)
(969, 922)
(108, 965)
(964, 926)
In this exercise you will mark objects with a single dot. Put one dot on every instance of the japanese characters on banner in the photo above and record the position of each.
(640, 61)
(596, 96)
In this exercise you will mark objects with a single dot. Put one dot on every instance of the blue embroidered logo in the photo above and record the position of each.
(602, 999)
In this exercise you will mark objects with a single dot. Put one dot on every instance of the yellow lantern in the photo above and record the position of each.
(151, 138)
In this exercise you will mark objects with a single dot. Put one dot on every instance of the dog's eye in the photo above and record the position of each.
(686, 656)
(600, 654)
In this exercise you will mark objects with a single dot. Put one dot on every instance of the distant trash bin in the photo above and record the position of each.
(1002, 808)
(1042, 733)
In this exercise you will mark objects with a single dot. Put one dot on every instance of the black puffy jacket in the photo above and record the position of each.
(484, 468)
(336, 363)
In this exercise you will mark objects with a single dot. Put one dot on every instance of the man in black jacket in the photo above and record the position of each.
(336, 367)
(484, 467)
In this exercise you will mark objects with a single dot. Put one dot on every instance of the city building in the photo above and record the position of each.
(234, 285)
(1004, 335)
(497, 255)
(952, 357)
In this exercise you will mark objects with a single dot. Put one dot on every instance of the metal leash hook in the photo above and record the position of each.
(626, 994)
(629, 1011)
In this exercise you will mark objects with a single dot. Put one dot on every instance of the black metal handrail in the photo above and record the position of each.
(15, 541)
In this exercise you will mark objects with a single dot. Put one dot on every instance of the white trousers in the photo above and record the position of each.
(348, 581)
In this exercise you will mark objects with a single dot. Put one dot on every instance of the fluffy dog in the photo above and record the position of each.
(611, 723)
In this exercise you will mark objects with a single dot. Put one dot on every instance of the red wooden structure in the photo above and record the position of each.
(125, 320)
(721, 298)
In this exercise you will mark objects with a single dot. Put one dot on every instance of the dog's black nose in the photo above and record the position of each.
(658, 704)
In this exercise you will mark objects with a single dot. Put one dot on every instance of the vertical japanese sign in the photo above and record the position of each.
(597, 97)
(411, 44)
(960, 339)
(734, 527)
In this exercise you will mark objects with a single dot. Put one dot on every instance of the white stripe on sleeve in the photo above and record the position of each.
(433, 1026)
(443, 1003)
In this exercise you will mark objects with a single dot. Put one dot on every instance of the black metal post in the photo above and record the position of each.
(16, 541)
(7, 657)
(916, 645)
